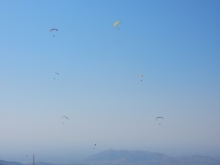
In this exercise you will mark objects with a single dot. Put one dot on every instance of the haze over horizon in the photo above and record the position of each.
(174, 44)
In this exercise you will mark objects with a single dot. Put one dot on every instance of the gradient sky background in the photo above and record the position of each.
(175, 44)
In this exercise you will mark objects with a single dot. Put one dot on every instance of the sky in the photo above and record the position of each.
(175, 44)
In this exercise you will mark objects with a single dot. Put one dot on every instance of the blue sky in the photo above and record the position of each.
(174, 44)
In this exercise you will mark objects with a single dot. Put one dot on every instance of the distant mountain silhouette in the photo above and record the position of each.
(2, 162)
(135, 157)
(125, 155)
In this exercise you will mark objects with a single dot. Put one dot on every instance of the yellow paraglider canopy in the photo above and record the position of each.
(116, 23)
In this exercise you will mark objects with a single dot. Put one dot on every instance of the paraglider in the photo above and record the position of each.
(94, 145)
(64, 117)
(141, 75)
(57, 74)
(116, 24)
(53, 30)
(159, 118)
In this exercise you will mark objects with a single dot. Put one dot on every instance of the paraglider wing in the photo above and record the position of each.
(65, 117)
(53, 29)
(116, 23)
(159, 118)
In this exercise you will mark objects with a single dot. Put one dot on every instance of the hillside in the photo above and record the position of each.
(135, 157)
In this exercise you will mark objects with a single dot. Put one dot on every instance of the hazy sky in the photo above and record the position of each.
(175, 44)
